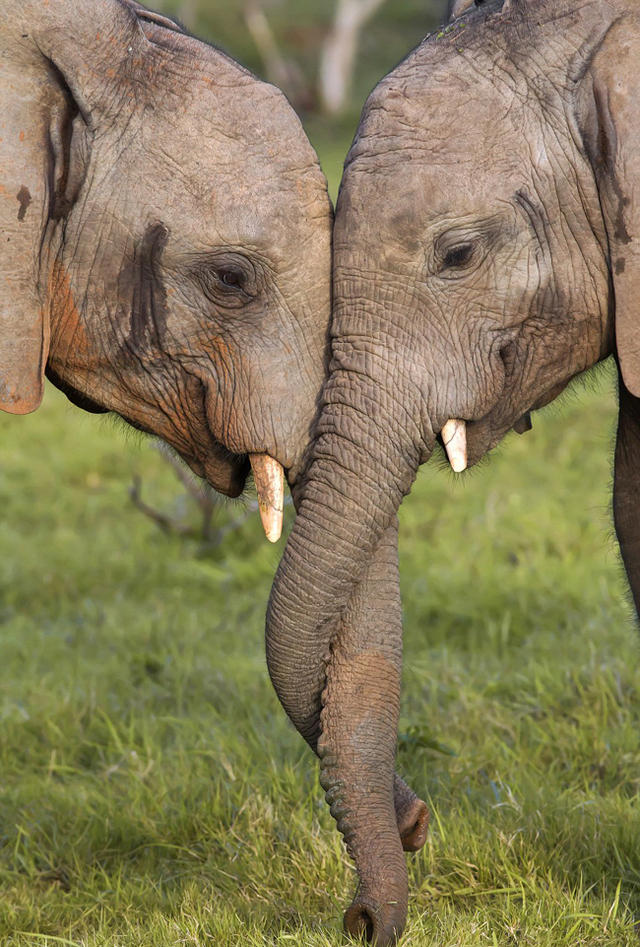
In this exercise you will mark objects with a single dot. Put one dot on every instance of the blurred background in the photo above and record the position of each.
(152, 791)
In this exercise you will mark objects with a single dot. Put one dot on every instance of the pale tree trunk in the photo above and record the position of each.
(188, 12)
(340, 51)
(279, 69)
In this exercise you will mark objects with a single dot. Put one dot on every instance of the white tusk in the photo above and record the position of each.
(268, 475)
(454, 436)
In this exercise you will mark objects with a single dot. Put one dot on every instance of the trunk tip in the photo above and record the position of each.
(414, 826)
(381, 928)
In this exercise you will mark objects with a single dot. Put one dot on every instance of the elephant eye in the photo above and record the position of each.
(230, 281)
(458, 256)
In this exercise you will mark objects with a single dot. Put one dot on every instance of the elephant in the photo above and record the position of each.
(165, 250)
(166, 240)
(486, 252)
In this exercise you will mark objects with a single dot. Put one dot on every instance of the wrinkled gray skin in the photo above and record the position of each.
(165, 238)
(166, 231)
(486, 251)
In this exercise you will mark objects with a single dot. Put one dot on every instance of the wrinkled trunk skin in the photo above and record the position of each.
(333, 626)
(361, 704)
(353, 489)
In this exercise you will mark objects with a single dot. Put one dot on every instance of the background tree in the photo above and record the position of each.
(340, 51)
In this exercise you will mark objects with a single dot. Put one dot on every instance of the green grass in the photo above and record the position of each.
(151, 790)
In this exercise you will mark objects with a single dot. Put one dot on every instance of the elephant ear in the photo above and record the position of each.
(612, 136)
(55, 74)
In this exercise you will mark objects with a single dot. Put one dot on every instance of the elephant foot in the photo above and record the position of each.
(381, 925)
(412, 816)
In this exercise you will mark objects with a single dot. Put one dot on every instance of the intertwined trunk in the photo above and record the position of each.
(355, 485)
(334, 624)
(361, 703)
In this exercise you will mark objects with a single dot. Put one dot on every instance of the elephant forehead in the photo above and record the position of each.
(256, 204)
(252, 113)
(253, 188)
(431, 121)
(402, 201)
(254, 145)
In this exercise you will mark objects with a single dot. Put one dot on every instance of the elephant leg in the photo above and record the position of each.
(626, 488)
(359, 722)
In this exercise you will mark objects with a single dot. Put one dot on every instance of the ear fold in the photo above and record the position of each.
(612, 137)
(56, 58)
(150, 16)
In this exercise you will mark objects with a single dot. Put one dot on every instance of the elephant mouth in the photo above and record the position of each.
(482, 437)
(226, 472)
(223, 470)
(484, 434)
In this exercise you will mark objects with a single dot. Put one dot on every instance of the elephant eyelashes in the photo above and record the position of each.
(457, 257)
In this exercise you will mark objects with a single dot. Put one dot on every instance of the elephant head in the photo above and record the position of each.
(165, 238)
(485, 253)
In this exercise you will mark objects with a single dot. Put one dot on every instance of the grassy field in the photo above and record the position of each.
(152, 792)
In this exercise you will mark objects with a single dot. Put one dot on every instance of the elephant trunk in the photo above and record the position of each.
(361, 704)
(353, 489)
(334, 634)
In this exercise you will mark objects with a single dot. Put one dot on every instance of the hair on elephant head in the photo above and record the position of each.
(486, 251)
(166, 229)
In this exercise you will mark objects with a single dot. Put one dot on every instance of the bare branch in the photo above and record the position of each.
(166, 523)
(199, 491)
(280, 69)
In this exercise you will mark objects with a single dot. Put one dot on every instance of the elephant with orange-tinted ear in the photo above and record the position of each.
(165, 238)
(486, 252)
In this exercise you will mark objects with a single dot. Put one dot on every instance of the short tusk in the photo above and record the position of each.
(454, 436)
(268, 475)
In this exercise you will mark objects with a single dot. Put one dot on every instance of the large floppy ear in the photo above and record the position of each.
(612, 137)
(57, 63)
